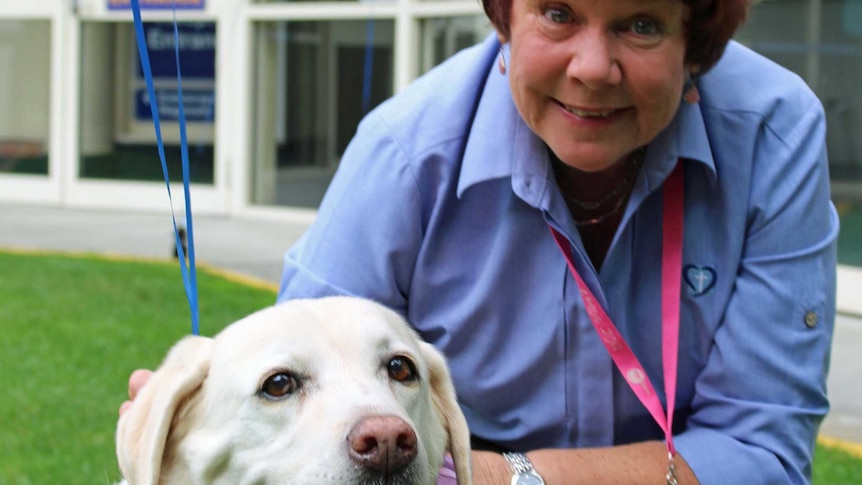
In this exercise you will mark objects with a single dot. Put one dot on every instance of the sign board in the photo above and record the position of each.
(198, 105)
(197, 42)
(197, 49)
(157, 4)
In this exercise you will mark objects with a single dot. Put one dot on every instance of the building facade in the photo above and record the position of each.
(272, 94)
(273, 91)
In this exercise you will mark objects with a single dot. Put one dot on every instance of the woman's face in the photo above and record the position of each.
(596, 79)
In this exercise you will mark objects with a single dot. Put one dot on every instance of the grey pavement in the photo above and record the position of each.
(845, 419)
(252, 247)
(255, 247)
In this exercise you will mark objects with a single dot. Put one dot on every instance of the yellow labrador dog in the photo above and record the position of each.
(329, 391)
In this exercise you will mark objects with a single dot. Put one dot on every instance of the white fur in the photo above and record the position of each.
(201, 419)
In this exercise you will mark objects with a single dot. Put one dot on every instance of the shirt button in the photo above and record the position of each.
(810, 319)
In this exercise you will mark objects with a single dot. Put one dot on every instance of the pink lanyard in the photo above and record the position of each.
(621, 353)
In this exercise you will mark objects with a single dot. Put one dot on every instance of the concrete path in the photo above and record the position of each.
(254, 248)
(250, 247)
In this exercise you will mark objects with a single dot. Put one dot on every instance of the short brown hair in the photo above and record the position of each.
(710, 26)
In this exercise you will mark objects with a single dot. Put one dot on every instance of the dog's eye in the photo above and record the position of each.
(280, 385)
(401, 369)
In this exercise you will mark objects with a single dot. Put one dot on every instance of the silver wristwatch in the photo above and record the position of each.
(524, 473)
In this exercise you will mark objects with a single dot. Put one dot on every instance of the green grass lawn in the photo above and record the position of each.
(71, 331)
(834, 465)
(73, 328)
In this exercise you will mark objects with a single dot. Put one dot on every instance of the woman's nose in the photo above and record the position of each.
(593, 61)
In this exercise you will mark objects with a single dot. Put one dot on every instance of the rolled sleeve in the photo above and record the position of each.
(761, 397)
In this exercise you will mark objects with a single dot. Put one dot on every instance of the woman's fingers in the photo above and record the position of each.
(136, 381)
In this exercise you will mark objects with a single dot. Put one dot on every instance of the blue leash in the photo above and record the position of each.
(189, 273)
(369, 65)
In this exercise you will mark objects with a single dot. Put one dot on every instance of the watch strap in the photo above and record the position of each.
(522, 469)
(518, 462)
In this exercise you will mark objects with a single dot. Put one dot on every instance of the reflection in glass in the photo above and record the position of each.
(25, 74)
(314, 81)
(443, 37)
(822, 42)
(117, 137)
(309, 1)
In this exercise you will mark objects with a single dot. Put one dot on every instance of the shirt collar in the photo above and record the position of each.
(685, 138)
(497, 132)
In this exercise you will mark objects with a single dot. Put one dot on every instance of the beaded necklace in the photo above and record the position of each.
(619, 195)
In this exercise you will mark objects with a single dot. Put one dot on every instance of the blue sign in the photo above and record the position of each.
(157, 4)
(198, 105)
(197, 41)
(197, 48)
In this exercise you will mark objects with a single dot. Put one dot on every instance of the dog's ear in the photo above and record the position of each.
(143, 429)
(446, 404)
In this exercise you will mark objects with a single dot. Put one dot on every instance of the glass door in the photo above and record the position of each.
(28, 104)
(116, 148)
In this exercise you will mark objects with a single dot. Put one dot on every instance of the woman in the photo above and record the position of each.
(441, 209)
(445, 201)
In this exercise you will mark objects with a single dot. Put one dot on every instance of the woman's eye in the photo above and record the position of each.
(645, 27)
(401, 369)
(557, 15)
(280, 385)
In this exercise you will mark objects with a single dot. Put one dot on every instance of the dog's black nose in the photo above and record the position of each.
(383, 444)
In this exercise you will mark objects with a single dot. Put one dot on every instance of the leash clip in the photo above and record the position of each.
(670, 477)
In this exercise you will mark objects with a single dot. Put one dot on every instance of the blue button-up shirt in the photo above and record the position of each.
(440, 209)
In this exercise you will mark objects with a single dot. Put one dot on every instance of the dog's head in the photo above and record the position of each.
(333, 390)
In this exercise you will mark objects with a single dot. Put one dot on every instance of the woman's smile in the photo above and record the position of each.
(592, 115)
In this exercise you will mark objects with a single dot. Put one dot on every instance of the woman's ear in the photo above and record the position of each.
(690, 94)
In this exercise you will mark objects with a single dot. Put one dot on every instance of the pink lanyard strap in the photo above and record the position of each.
(621, 353)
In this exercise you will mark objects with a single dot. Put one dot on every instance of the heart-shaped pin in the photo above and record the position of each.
(699, 278)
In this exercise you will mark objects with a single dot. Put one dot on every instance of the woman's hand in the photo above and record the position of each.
(136, 381)
(637, 463)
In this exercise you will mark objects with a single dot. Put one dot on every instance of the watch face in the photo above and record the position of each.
(529, 479)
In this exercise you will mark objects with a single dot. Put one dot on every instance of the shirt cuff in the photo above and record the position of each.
(718, 459)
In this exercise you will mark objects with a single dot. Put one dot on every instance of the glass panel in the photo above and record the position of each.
(307, 1)
(821, 40)
(25, 76)
(313, 83)
(442, 37)
(117, 137)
